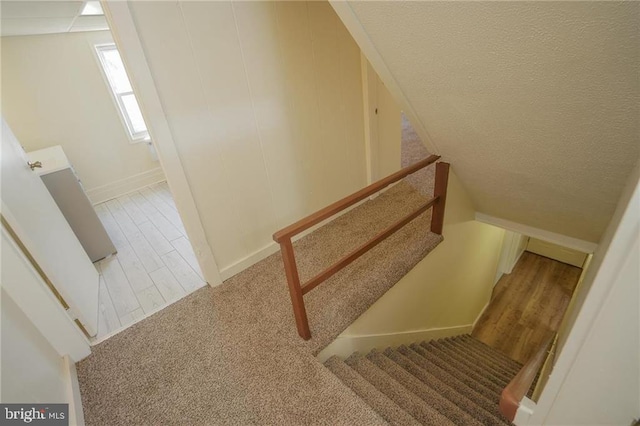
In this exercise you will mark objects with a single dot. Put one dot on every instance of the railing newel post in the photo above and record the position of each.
(295, 291)
(440, 192)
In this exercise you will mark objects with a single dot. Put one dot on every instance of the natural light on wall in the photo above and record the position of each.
(91, 8)
(122, 92)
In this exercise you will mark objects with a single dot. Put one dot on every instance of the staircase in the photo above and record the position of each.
(453, 381)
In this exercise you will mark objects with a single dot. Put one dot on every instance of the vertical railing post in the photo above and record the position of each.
(440, 191)
(291, 270)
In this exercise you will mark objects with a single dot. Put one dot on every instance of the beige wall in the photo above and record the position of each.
(535, 103)
(53, 93)
(264, 102)
(383, 125)
(447, 290)
(32, 371)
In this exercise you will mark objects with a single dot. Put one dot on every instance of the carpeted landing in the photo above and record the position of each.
(231, 354)
(454, 381)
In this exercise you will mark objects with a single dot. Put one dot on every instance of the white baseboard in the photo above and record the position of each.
(480, 314)
(76, 413)
(242, 264)
(120, 187)
(266, 251)
(344, 346)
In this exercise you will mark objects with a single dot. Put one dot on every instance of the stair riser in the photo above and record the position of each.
(476, 363)
(424, 392)
(398, 394)
(454, 390)
(514, 365)
(510, 368)
(479, 377)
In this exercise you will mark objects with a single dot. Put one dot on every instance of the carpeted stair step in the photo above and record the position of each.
(487, 359)
(493, 356)
(439, 356)
(396, 392)
(488, 391)
(449, 386)
(459, 394)
(420, 389)
(453, 381)
(474, 362)
(464, 352)
(388, 410)
(426, 360)
(491, 351)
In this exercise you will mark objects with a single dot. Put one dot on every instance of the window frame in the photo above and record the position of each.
(134, 137)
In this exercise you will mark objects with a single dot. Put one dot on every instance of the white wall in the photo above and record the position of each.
(596, 378)
(32, 371)
(53, 93)
(535, 103)
(557, 252)
(264, 102)
(444, 293)
(513, 245)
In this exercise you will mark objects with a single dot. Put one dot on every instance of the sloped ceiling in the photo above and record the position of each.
(535, 104)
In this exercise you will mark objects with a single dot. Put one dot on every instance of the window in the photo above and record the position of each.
(122, 92)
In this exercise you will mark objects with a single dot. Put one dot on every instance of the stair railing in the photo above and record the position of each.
(285, 235)
(518, 387)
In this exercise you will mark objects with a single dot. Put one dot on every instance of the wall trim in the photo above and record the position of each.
(244, 263)
(343, 346)
(112, 190)
(541, 234)
(76, 412)
(125, 35)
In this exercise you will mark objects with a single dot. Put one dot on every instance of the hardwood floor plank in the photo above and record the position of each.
(122, 295)
(134, 269)
(167, 284)
(150, 299)
(180, 269)
(111, 226)
(132, 209)
(132, 317)
(183, 246)
(527, 305)
(165, 195)
(169, 213)
(129, 229)
(108, 320)
(155, 238)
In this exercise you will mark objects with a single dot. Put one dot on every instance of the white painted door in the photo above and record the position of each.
(37, 221)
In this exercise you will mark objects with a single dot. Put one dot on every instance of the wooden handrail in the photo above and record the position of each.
(518, 387)
(284, 236)
(338, 206)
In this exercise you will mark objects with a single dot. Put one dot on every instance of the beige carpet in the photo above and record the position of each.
(231, 355)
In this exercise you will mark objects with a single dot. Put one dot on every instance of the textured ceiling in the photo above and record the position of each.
(535, 104)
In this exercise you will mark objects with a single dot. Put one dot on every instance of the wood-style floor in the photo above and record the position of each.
(527, 306)
(155, 264)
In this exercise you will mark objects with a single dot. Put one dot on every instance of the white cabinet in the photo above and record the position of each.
(65, 188)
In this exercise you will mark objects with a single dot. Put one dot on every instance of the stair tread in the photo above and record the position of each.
(422, 390)
(489, 354)
(475, 363)
(495, 363)
(494, 352)
(451, 388)
(439, 354)
(461, 375)
(388, 410)
(396, 392)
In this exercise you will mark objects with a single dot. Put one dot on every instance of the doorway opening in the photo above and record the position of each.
(58, 96)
